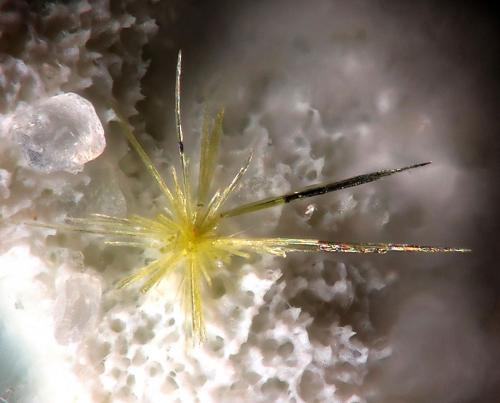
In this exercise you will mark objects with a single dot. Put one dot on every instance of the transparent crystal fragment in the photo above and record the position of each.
(77, 307)
(5, 179)
(60, 133)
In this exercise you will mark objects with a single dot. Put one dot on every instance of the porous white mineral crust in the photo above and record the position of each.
(60, 133)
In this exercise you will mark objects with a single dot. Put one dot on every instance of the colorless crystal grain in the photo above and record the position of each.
(5, 179)
(77, 307)
(60, 133)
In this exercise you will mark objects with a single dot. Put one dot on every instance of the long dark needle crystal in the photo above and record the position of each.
(178, 122)
(315, 190)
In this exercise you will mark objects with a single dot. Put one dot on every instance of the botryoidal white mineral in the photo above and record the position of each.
(60, 133)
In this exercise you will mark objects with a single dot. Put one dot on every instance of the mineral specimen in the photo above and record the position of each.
(60, 133)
